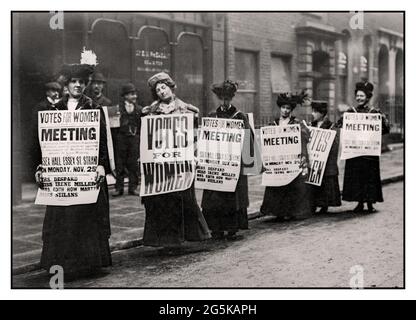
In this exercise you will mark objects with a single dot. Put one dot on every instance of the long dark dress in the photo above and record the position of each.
(362, 181)
(227, 211)
(76, 237)
(175, 217)
(293, 200)
(328, 194)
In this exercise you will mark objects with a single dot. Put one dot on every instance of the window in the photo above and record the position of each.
(343, 67)
(365, 58)
(246, 74)
(281, 75)
(320, 68)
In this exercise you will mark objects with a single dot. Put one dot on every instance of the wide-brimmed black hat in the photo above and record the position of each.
(81, 71)
(128, 88)
(290, 99)
(366, 87)
(226, 89)
(320, 106)
(53, 86)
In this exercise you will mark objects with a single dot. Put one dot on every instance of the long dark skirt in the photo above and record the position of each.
(173, 218)
(362, 180)
(220, 220)
(76, 237)
(288, 202)
(227, 211)
(328, 194)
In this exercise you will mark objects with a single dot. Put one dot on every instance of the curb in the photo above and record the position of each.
(124, 245)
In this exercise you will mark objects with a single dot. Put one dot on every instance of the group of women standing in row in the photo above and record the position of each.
(77, 237)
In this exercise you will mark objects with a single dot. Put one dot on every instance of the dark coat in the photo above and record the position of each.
(227, 211)
(328, 194)
(102, 101)
(130, 122)
(76, 237)
(175, 217)
(362, 181)
(293, 200)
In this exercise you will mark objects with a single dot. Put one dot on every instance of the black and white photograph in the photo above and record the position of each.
(207, 149)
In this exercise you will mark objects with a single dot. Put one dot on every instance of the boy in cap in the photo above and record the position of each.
(128, 140)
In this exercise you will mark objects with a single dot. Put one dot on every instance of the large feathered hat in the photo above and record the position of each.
(226, 89)
(366, 87)
(81, 70)
(290, 99)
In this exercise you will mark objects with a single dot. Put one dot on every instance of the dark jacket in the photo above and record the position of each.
(130, 123)
(102, 101)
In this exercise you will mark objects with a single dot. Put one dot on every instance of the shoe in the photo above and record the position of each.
(118, 194)
(218, 236)
(233, 236)
(134, 193)
(371, 209)
(324, 210)
(359, 208)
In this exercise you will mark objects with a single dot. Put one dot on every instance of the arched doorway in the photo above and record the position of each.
(383, 78)
(110, 42)
(152, 55)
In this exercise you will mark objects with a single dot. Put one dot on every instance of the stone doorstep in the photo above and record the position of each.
(128, 244)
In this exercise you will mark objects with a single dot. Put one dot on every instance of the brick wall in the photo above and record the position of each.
(274, 33)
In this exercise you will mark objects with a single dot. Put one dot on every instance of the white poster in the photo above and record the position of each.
(110, 145)
(281, 149)
(167, 153)
(219, 154)
(70, 142)
(361, 135)
(319, 146)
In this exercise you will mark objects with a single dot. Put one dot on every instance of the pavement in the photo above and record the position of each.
(341, 249)
(127, 214)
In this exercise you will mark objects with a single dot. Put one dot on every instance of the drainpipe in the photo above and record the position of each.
(226, 45)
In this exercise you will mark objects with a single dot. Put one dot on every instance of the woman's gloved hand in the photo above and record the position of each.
(39, 177)
(100, 177)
